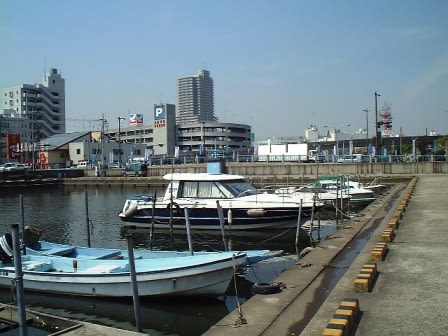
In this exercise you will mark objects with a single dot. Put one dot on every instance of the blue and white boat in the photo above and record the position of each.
(244, 206)
(44, 248)
(196, 275)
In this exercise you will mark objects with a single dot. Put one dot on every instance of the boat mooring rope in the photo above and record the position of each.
(240, 320)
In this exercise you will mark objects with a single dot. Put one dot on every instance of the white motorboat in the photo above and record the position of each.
(311, 192)
(343, 186)
(244, 206)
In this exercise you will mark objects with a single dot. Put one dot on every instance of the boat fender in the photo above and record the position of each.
(130, 209)
(256, 212)
(175, 208)
(305, 251)
(266, 288)
(6, 248)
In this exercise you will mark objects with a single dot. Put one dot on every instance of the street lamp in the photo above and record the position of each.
(377, 130)
(367, 125)
(203, 137)
(119, 140)
(367, 129)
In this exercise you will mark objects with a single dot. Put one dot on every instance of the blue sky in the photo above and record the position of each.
(279, 66)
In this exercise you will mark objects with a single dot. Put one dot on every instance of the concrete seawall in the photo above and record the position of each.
(403, 236)
(297, 170)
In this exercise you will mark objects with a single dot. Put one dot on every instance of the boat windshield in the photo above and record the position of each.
(240, 188)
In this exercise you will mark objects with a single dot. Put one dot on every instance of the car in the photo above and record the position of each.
(84, 165)
(14, 166)
(135, 169)
(355, 158)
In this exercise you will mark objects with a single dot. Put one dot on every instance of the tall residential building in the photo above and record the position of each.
(195, 99)
(43, 104)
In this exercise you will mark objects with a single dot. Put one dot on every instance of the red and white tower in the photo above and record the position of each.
(386, 120)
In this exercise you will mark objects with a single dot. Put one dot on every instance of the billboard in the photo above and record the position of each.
(159, 116)
(12, 146)
(159, 112)
(135, 119)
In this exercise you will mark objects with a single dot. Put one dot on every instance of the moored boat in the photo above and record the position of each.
(341, 185)
(44, 248)
(197, 275)
(244, 206)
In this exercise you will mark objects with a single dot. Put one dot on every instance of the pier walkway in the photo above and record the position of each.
(404, 235)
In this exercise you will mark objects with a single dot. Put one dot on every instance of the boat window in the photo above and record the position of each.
(206, 189)
(189, 189)
(209, 190)
(240, 188)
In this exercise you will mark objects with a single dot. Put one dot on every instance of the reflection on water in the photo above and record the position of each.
(61, 214)
(159, 317)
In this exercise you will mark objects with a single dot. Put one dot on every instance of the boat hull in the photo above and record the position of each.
(207, 219)
(205, 278)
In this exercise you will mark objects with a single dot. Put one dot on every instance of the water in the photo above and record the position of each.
(60, 212)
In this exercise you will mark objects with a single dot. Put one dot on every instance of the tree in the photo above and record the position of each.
(442, 144)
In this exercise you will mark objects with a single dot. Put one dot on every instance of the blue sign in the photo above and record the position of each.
(159, 112)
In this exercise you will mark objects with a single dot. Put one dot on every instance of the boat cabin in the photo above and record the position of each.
(207, 186)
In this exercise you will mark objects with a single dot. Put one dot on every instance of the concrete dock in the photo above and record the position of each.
(390, 269)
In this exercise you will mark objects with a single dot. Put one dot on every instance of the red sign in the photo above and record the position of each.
(135, 119)
(159, 123)
(12, 146)
(42, 158)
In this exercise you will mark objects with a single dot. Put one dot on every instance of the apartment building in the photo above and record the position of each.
(195, 98)
(43, 104)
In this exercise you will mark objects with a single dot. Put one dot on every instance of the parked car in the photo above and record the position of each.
(135, 169)
(84, 165)
(355, 158)
(13, 166)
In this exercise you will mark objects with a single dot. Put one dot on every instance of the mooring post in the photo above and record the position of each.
(135, 296)
(299, 219)
(221, 223)
(153, 220)
(187, 224)
(22, 223)
(87, 216)
(19, 279)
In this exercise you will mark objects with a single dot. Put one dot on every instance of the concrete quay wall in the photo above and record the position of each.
(253, 169)
(266, 173)
(262, 174)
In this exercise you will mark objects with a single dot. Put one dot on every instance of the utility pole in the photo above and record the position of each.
(367, 127)
(119, 140)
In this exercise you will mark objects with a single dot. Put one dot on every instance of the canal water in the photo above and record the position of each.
(61, 214)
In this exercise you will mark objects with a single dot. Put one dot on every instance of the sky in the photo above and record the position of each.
(277, 65)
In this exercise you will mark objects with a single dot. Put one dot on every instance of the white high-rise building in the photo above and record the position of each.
(195, 98)
(43, 104)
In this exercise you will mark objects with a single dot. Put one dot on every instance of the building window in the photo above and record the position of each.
(78, 151)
